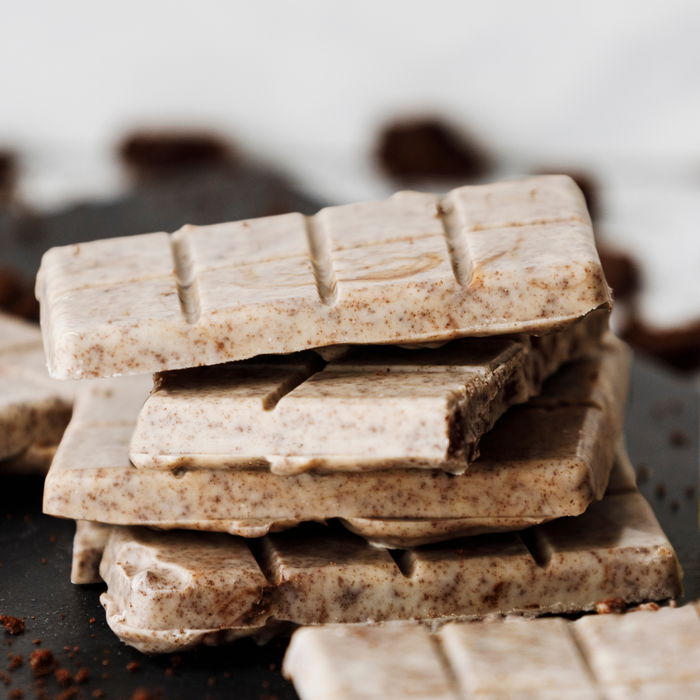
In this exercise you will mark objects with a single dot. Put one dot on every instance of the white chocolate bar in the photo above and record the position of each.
(34, 409)
(174, 590)
(641, 655)
(376, 408)
(560, 445)
(511, 257)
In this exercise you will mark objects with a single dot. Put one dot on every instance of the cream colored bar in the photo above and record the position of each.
(546, 459)
(174, 590)
(510, 257)
(642, 655)
(378, 408)
(91, 537)
(34, 409)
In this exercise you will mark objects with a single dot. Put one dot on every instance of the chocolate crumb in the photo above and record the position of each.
(82, 676)
(643, 473)
(105, 675)
(15, 694)
(66, 648)
(43, 561)
(660, 490)
(68, 694)
(142, 694)
(15, 661)
(105, 662)
(5, 678)
(611, 606)
(98, 693)
(133, 666)
(211, 681)
(36, 641)
(42, 662)
(689, 491)
(678, 439)
(169, 672)
(63, 676)
(12, 624)
(76, 649)
(93, 620)
(674, 505)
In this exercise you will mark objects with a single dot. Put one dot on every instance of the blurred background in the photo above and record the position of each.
(122, 118)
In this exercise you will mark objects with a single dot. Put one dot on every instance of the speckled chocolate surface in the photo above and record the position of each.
(375, 408)
(170, 590)
(34, 409)
(645, 655)
(511, 257)
(548, 458)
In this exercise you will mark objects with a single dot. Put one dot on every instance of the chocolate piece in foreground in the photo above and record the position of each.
(643, 654)
(559, 445)
(376, 408)
(174, 590)
(34, 409)
(512, 257)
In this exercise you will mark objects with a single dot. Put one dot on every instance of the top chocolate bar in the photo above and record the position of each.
(511, 257)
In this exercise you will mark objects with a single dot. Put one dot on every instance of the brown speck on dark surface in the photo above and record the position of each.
(14, 625)
(93, 620)
(211, 681)
(52, 539)
(689, 491)
(273, 667)
(611, 606)
(105, 662)
(42, 662)
(428, 149)
(643, 473)
(265, 684)
(169, 671)
(678, 439)
(27, 518)
(175, 660)
(227, 674)
(674, 505)
(82, 676)
(67, 694)
(15, 694)
(142, 694)
(36, 642)
(133, 666)
(5, 678)
(660, 490)
(105, 676)
(98, 693)
(16, 660)
(64, 677)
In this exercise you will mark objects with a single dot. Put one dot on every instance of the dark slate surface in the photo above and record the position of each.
(662, 433)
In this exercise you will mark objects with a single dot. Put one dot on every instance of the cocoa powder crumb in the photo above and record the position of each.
(15, 694)
(82, 676)
(42, 662)
(133, 666)
(36, 642)
(16, 661)
(93, 620)
(142, 694)
(68, 694)
(5, 678)
(105, 676)
(12, 624)
(98, 693)
(63, 676)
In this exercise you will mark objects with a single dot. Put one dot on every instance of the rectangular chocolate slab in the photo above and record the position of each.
(510, 257)
(174, 590)
(641, 655)
(545, 459)
(375, 408)
(34, 409)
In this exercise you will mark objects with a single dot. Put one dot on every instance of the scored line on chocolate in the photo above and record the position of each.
(456, 240)
(187, 292)
(321, 260)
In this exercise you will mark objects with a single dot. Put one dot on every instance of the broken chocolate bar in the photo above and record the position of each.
(512, 257)
(377, 408)
(174, 590)
(560, 444)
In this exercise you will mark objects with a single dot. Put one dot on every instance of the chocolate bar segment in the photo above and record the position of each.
(316, 575)
(512, 257)
(563, 448)
(375, 408)
(34, 409)
(642, 655)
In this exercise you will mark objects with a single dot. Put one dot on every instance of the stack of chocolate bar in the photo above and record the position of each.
(399, 410)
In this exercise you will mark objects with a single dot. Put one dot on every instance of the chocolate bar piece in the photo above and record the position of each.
(511, 257)
(560, 444)
(34, 409)
(174, 590)
(376, 408)
(643, 655)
